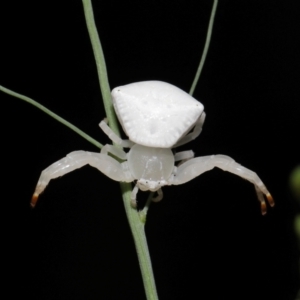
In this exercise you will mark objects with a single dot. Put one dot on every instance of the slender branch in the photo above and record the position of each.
(101, 65)
(206, 46)
(138, 230)
(51, 114)
(136, 225)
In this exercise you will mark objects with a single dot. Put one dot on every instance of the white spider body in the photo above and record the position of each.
(157, 117)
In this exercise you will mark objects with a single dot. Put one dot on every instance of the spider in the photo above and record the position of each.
(157, 117)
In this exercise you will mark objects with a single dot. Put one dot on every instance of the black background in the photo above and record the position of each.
(207, 238)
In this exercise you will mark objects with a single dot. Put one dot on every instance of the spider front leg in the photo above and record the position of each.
(183, 156)
(135, 190)
(196, 166)
(77, 159)
(159, 196)
(195, 133)
(108, 131)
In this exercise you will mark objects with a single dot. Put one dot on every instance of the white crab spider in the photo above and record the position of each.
(156, 116)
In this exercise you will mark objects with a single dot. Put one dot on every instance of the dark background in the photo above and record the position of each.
(207, 238)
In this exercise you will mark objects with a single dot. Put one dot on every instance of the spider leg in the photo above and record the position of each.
(133, 196)
(77, 159)
(108, 131)
(184, 155)
(159, 196)
(114, 151)
(195, 133)
(196, 166)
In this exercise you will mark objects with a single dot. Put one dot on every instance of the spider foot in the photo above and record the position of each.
(38, 190)
(263, 207)
(270, 199)
(34, 200)
(263, 204)
(261, 195)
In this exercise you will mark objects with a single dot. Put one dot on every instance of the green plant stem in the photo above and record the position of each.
(206, 46)
(136, 225)
(51, 114)
(101, 66)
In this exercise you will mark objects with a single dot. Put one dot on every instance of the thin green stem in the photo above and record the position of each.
(206, 46)
(136, 225)
(138, 231)
(51, 114)
(101, 65)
